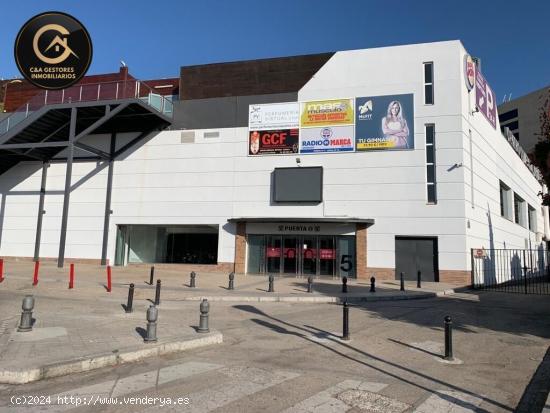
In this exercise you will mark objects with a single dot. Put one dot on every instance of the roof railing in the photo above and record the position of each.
(117, 90)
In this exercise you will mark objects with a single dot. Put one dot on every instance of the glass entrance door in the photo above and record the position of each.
(273, 254)
(309, 255)
(327, 255)
(290, 256)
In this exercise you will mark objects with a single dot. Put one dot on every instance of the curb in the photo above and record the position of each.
(315, 299)
(106, 359)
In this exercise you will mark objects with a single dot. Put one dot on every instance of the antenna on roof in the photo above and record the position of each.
(504, 98)
(122, 63)
(510, 97)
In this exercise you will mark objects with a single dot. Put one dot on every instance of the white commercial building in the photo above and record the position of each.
(437, 181)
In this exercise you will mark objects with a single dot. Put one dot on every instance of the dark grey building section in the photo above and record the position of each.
(522, 117)
(218, 95)
(221, 112)
(416, 254)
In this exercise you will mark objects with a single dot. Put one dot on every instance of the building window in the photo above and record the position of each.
(505, 201)
(511, 114)
(532, 217)
(429, 83)
(519, 210)
(430, 164)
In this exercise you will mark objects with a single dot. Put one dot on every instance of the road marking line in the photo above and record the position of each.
(121, 387)
(449, 402)
(353, 393)
(242, 382)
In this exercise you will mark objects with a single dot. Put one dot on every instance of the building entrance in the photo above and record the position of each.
(317, 255)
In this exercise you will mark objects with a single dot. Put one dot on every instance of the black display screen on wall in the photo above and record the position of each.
(299, 184)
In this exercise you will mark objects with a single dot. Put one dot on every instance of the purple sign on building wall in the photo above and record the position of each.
(485, 99)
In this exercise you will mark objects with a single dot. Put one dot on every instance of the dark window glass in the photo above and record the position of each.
(428, 94)
(517, 208)
(431, 173)
(428, 72)
(431, 194)
(502, 194)
(429, 154)
(430, 134)
(512, 125)
(511, 114)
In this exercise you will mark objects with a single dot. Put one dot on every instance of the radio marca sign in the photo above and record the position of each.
(327, 113)
(327, 139)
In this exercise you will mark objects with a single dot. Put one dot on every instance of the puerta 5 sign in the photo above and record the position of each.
(53, 50)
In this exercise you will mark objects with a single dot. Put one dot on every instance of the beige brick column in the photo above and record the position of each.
(240, 248)
(361, 250)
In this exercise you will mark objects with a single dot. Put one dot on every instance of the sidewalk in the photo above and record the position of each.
(91, 281)
(72, 336)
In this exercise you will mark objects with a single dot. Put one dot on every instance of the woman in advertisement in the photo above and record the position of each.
(394, 126)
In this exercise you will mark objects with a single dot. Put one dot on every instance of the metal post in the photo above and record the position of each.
(109, 284)
(130, 301)
(310, 284)
(344, 284)
(271, 280)
(151, 275)
(402, 282)
(524, 272)
(345, 329)
(35, 277)
(157, 293)
(71, 277)
(108, 210)
(26, 316)
(372, 285)
(1, 270)
(67, 193)
(418, 279)
(41, 211)
(448, 338)
(152, 316)
(203, 321)
(192, 283)
(231, 281)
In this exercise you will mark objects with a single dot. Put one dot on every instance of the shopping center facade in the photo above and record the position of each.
(354, 163)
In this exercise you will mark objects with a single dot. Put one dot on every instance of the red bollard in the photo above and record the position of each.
(35, 278)
(71, 277)
(108, 278)
(1, 270)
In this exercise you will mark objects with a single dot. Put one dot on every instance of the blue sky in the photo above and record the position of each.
(155, 38)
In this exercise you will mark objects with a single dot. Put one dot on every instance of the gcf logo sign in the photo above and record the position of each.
(53, 50)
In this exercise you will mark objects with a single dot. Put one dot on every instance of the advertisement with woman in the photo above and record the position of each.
(384, 122)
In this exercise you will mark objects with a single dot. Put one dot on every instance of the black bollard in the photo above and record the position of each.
(152, 316)
(152, 275)
(192, 283)
(344, 284)
(372, 285)
(345, 328)
(26, 315)
(418, 280)
(231, 281)
(130, 301)
(271, 280)
(448, 338)
(203, 321)
(402, 281)
(157, 293)
(310, 284)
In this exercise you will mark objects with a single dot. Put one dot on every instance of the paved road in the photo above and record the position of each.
(288, 357)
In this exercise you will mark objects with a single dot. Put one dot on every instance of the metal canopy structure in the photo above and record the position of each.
(56, 121)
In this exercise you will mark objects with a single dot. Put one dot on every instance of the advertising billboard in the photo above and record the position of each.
(384, 122)
(485, 99)
(274, 116)
(327, 113)
(273, 142)
(327, 139)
